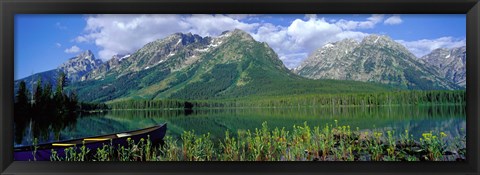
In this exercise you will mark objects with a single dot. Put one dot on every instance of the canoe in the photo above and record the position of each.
(44, 151)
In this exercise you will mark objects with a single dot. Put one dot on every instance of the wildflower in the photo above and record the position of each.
(442, 134)
(427, 135)
(377, 134)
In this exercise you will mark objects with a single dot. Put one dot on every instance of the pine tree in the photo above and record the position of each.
(61, 82)
(22, 94)
(22, 106)
(38, 94)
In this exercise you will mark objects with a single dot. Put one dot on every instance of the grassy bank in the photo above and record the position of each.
(330, 142)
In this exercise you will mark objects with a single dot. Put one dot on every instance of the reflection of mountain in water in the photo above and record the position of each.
(448, 119)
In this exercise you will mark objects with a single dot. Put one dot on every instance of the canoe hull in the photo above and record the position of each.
(45, 153)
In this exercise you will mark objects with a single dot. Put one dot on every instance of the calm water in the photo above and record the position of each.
(449, 119)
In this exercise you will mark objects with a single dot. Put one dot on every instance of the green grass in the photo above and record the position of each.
(330, 142)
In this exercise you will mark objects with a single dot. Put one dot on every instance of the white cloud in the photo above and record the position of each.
(276, 37)
(58, 45)
(376, 18)
(352, 35)
(368, 24)
(393, 20)
(422, 47)
(81, 39)
(73, 49)
(121, 34)
(293, 43)
(312, 33)
(208, 25)
(293, 60)
(244, 16)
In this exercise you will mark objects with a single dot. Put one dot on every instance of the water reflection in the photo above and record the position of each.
(416, 119)
(44, 128)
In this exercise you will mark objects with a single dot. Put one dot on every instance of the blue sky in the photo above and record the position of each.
(43, 42)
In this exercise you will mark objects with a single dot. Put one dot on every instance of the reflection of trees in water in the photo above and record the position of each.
(417, 119)
(44, 111)
(43, 127)
(20, 126)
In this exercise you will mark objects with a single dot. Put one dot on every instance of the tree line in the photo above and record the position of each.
(150, 104)
(44, 100)
(48, 109)
(351, 99)
(356, 99)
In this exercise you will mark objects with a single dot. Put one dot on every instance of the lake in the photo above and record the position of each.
(450, 119)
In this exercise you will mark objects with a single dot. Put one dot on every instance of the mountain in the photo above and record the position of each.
(376, 58)
(235, 64)
(74, 68)
(329, 61)
(449, 63)
(188, 66)
(79, 65)
(173, 49)
(47, 77)
(100, 71)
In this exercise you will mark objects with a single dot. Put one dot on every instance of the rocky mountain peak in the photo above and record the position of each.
(327, 61)
(79, 65)
(377, 58)
(237, 33)
(188, 38)
(449, 63)
(385, 42)
(87, 52)
(172, 50)
(120, 57)
(88, 55)
(341, 44)
(378, 40)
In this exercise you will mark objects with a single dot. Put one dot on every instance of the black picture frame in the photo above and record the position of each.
(8, 8)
